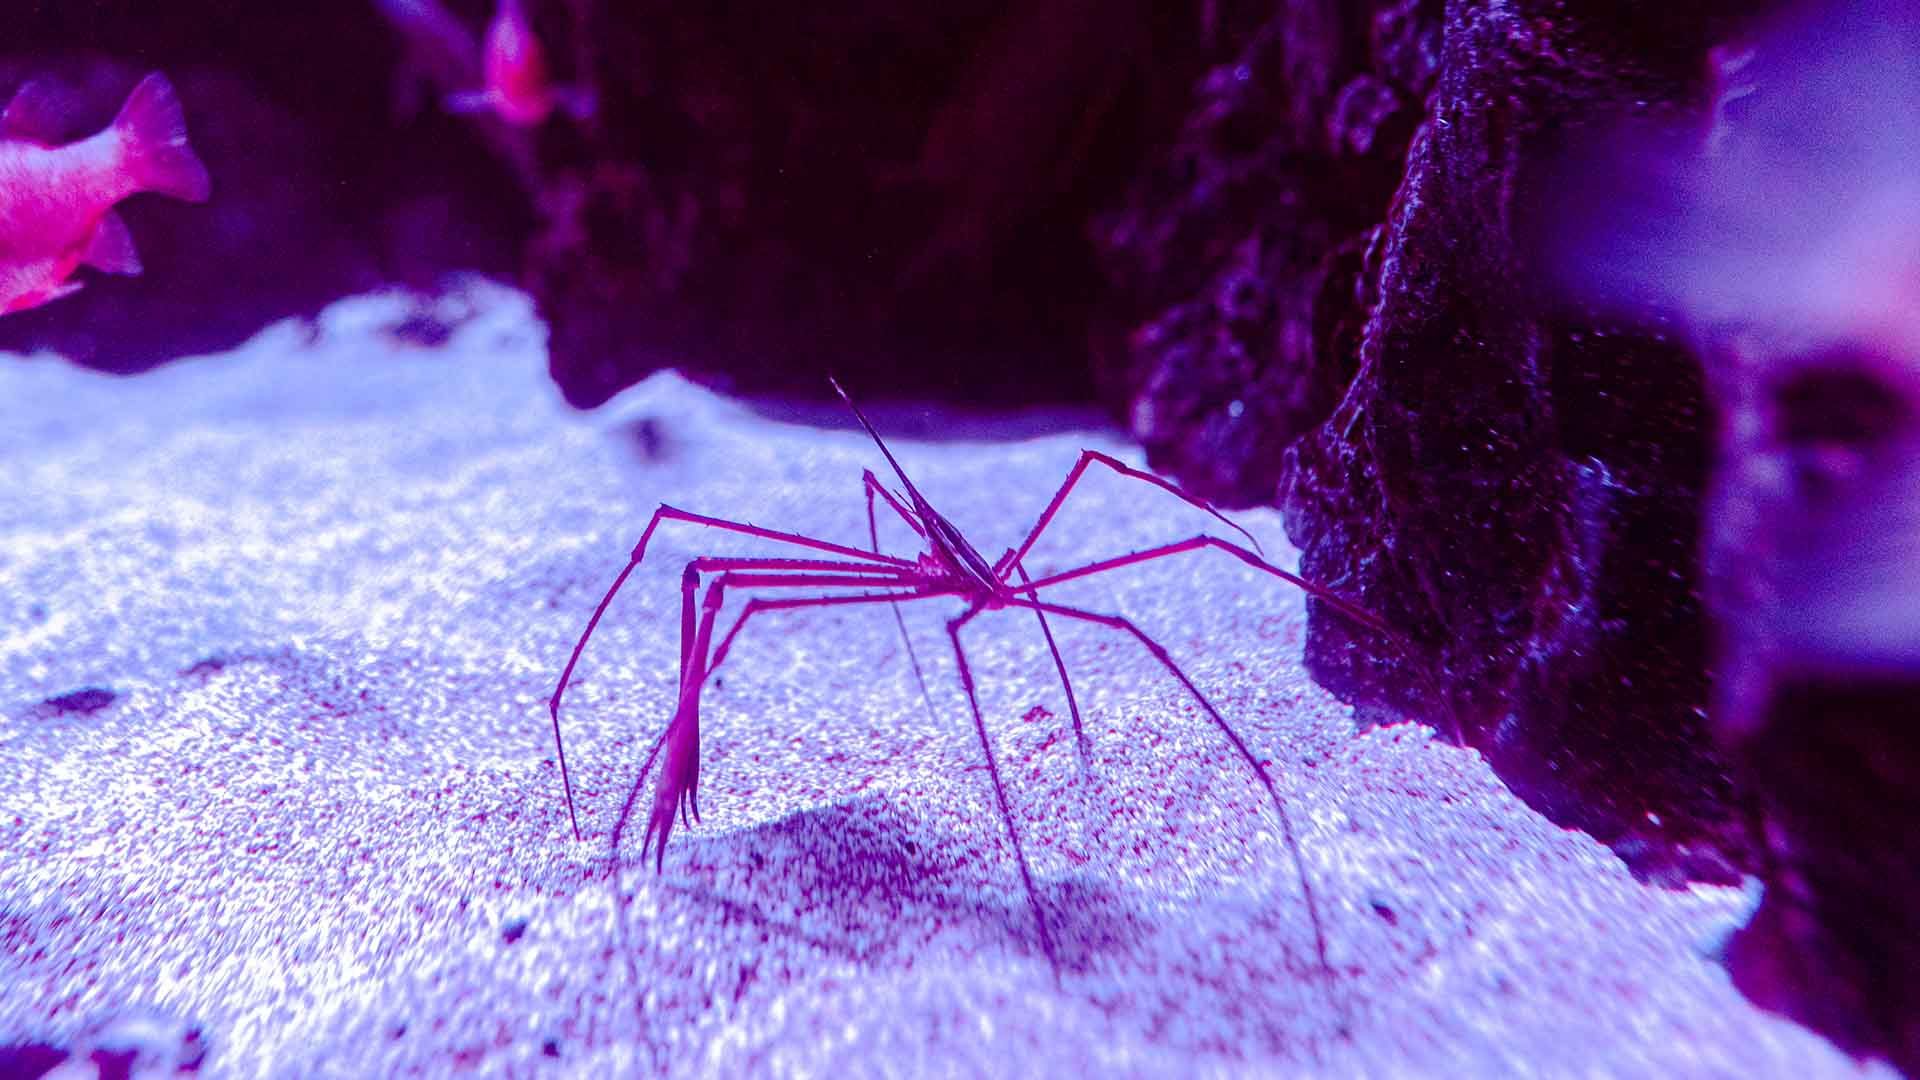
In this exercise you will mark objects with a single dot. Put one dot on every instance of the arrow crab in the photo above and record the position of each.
(837, 575)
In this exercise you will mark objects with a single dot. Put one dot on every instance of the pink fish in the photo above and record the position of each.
(519, 87)
(56, 202)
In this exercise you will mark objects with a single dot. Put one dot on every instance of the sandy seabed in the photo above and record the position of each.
(278, 629)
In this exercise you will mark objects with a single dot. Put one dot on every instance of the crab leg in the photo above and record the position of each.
(1091, 457)
(678, 789)
(1060, 665)
(1000, 789)
(870, 563)
(873, 485)
(1239, 745)
(1198, 543)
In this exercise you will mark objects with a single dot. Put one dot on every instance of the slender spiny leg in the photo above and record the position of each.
(1197, 543)
(709, 564)
(680, 776)
(867, 565)
(1420, 660)
(694, 667)
(639, 783)
(1089, 457)
(677, 514)
(915, 588)
(553, 703)
(1060, 665)
(633, 795)
(872, 485)
(1260, 773)
(678, 787)
(1000, 789)
(671, 513)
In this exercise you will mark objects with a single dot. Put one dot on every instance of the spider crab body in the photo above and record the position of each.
(834, 575)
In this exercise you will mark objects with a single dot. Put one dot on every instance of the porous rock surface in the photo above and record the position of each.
(1351, 327)
(277, 631)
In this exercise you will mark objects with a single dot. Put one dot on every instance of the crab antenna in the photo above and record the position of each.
(918, 499)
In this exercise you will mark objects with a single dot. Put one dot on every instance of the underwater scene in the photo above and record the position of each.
(1292, 537)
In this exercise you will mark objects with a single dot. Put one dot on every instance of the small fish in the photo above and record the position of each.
(56, 202)
(519, 88)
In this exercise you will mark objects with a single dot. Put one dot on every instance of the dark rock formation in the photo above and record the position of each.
(1517, 488)
(1514, 485)
(767, 195)
(1237, 263)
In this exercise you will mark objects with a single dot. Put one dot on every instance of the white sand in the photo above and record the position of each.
(332, 579)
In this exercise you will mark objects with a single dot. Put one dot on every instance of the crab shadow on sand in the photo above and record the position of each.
(862, 882)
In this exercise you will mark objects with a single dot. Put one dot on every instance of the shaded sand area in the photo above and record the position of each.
(277, 630)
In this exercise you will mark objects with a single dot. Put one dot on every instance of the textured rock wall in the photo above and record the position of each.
(1513, 484)
(1237, 261)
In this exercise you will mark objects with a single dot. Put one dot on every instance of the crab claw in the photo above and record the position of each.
(679, 783)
